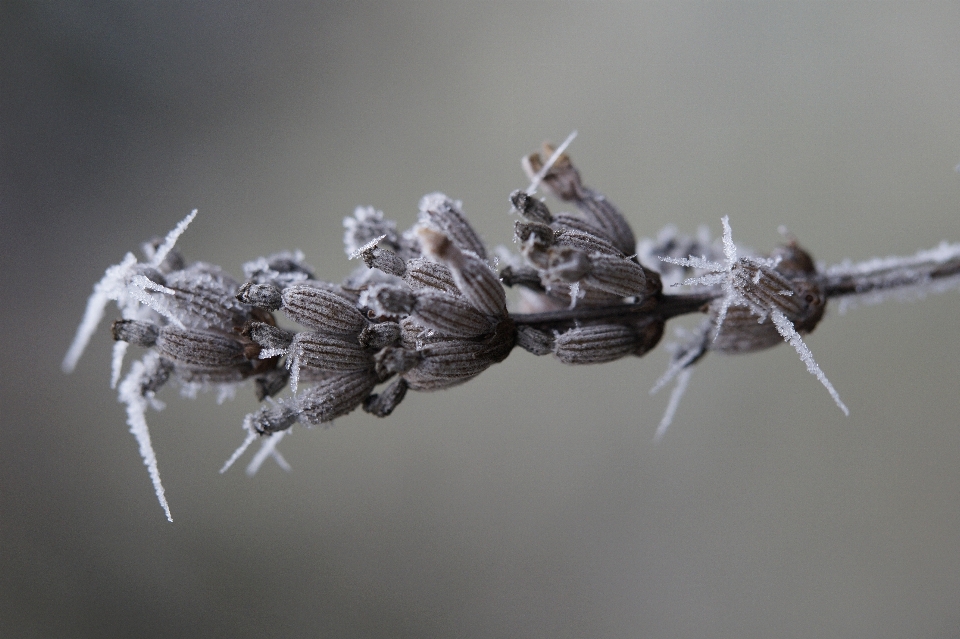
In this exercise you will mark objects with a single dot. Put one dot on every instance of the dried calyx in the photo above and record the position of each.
(428, 311)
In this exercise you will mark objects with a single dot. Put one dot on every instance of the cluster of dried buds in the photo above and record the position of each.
(428, 310)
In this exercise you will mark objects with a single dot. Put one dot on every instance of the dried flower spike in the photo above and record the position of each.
(426, 311)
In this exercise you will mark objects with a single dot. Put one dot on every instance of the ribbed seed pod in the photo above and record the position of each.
(449, 315)
(322, 310)
(476, 281)
(584, 241)
(335, 397)
(328, 353)
(742, 332)
(595, 344)
(444, 214)
(534, 341)
(620, 276)
(447, 363)
(578, 223)
(203, 297)
(384, 260)
(200, 348)
(424, 273)
(210, 375)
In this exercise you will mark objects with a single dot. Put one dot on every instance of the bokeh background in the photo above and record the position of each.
(531, 502)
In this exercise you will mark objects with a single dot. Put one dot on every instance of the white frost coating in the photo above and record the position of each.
(116, 362)
(113, 287)
(110, 287)
(789, 333)
(168, 242)
(251, 437)
(693, 262)
(535, 182)
(369, 245)
(944, 252)
(682, 380)
(140, 284)
(294, 365)
(136, 403)
(267, 353)
(675, 368)
(268, 449)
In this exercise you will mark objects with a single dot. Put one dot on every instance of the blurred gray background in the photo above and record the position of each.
(531, 502)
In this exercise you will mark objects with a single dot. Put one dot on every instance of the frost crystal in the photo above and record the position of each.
(132, 394)
(790, 335)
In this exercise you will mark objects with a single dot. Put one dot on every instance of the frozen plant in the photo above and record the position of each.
(428, 311)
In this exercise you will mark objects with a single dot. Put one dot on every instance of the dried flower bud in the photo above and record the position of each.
(200, 296)
(322, 310)
(584, 241)
(443, 214)
(449, 315)
(327, 353)
(595, 344)
(382, 404)
(476, 281)
(268, 336)
(280, 269)
(200, 348)
(534, 340)
(265, 296)
(521, 276)
(424, 273)
(387, 300)
(446, 363)
(376, 336)
(383, 260)
(274, 418)
(620, 276)
(335, 397)
(563, 180)
(530, 207)
(135, 332)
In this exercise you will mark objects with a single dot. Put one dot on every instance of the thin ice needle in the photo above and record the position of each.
(535, 182)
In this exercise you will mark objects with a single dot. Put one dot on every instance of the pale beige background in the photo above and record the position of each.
(531, 502)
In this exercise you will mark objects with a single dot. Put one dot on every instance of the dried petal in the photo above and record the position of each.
(376, 336)
(382, 404)
(476, 281)
(443, 214)
(530, 207)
